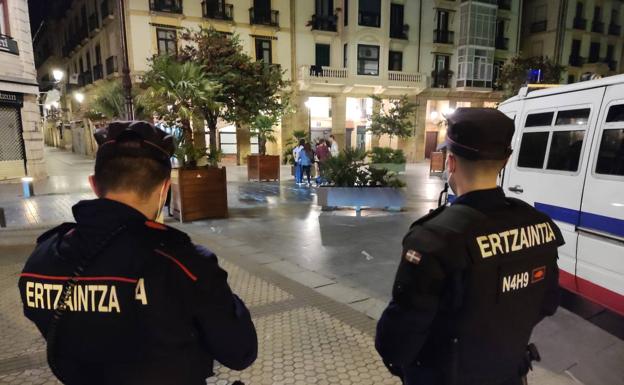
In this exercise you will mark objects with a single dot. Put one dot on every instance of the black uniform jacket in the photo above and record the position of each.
(151, 308)
(473, 281)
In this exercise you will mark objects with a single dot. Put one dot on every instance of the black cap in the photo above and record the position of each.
(479, 134)
(148, 142)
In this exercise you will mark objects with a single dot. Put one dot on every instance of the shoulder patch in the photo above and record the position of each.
(413, 256)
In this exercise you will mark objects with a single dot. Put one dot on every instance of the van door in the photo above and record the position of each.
(600, 266)
(549, 161)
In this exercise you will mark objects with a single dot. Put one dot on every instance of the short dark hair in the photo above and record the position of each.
(301, 142)
(130, 173)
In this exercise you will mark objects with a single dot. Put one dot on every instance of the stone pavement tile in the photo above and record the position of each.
(309, 346)
(311, 279)
(37, 376)
(285, 268)
(342, 293)
(605, 367)
(541, 376)
(372, 307)
(253, 290)
(262, 258)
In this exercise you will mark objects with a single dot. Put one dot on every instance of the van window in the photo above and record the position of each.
(533, 149)
(540, 119)
(616, 114)
(580, 116)
(611, 152)
(565, 150)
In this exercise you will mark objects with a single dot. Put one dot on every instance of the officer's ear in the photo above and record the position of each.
(451, 162)
(94, 186)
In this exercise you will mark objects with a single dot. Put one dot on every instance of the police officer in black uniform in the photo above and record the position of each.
(122, 299)
(475, 277)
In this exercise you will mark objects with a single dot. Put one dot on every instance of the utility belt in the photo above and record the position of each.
(447, 372)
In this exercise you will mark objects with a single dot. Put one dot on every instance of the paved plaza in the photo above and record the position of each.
(315, 282)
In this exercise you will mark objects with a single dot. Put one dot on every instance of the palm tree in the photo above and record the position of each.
(262, 127)
(108, 102)
(178, 90)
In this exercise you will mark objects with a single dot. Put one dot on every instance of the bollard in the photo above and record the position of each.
(27, 187)
(2, 218)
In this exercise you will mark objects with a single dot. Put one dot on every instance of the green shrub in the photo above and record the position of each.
(387, 155)
(349, 169)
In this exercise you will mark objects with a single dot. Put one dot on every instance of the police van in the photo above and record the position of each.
(568, 161)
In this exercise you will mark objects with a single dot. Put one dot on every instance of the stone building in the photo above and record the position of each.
(585, 36)
(21, 144)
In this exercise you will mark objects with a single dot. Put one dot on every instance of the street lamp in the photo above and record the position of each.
(58, 75)
(79, 96)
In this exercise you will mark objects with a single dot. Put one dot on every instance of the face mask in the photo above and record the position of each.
(160, 216)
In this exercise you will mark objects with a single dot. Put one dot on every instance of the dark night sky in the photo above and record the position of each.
(37, 9)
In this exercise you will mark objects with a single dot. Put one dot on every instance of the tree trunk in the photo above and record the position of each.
(212, 131)
(262, 146)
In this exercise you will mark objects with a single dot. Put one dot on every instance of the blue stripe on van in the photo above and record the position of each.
(603, 223)
(559, 213)
(584, 219)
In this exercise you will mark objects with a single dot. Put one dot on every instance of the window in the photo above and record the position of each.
(263, 50)
(344, 56)
(539, 119)
(368, 60)
(369, 13)
(565, 150)
(395, 61)
(579, 117)
(396, 21)
(611, 152)
(346, 12)
(533, 149)
(616, 114)
(167, 41)
(4, 18)
(579, 9)
(322, 55)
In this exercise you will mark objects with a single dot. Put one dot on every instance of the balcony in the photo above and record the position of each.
(504, 4)
(84, 79)
(218, 11)
(111, 65)
(324, 23)
(502, 43)
(369, 19)
(579, 23)
(169, 6)
(576, 61)
(270, 18)
(597, 26)
(538, 26)
(441, 78)
(94, 23)
(338, 80)
(615, 29)
(399, 31)
(443, 37)
(98, 72)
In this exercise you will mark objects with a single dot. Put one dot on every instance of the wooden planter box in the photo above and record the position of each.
(394, 167)
(371, 197)
(263, 167)
(199, 194)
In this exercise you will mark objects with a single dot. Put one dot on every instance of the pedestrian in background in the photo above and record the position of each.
(296, 152)
(122, 299)
(306, 158)
(322, 154)
(472, 282)
(334, 146)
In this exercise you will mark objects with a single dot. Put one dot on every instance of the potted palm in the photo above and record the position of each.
(387, 158)
(262, 166)
(177, 91)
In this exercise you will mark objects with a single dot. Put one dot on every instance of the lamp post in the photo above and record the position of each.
(126, 80)
(309, 107)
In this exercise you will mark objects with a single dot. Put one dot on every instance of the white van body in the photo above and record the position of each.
(568, 161)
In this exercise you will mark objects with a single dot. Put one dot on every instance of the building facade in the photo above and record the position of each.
(585, 36)
(441, 53)
(21, 144)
